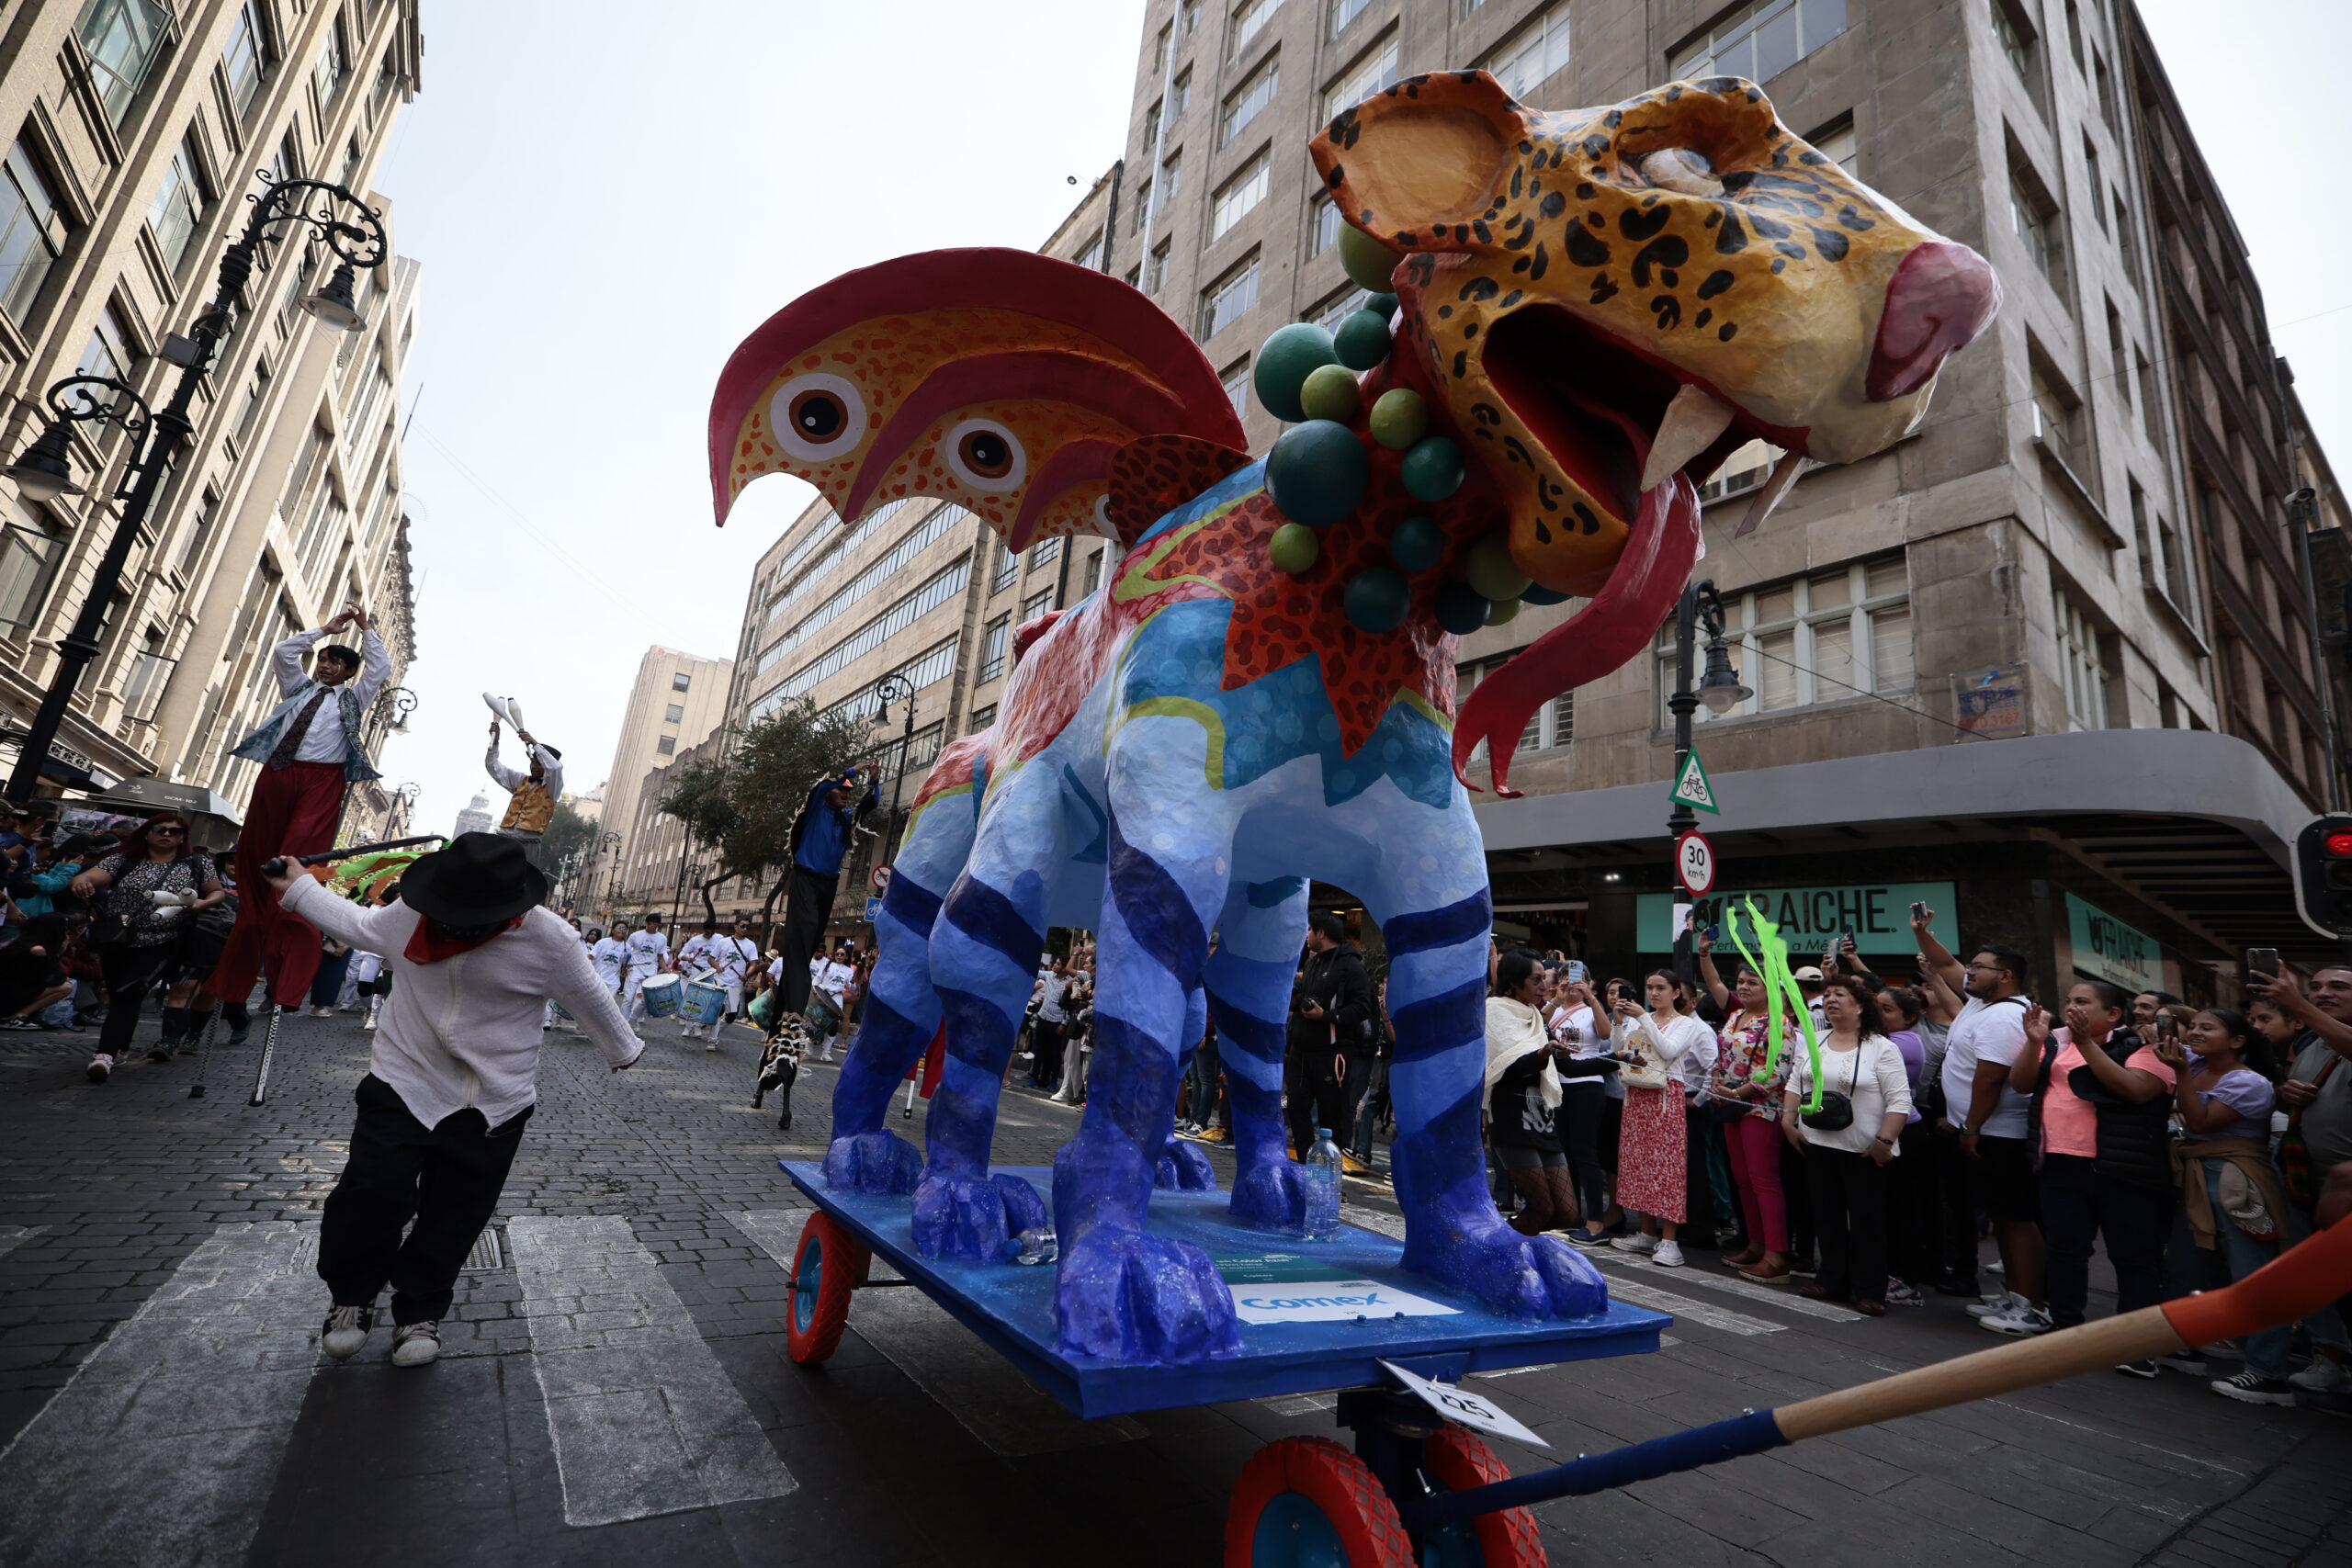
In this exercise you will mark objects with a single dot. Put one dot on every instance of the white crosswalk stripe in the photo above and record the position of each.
(1685, 1309)
(1781, 1296)
(644, 1419)
(164, 1446)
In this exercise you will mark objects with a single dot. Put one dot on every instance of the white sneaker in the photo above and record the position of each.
(101, 1069)
(1668, 1256)
(710, 1044)
(1638, 1242)
(1997, 1306)
(416, 1344)
(2023, 1324)
(2322, 1376)
(346, 1330)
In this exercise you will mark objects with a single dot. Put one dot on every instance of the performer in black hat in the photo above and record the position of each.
(451, 1073)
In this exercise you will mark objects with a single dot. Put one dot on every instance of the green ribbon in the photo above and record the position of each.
(1779, 984)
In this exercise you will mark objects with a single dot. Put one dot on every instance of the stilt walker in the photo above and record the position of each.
(309, 749)
(819, 839)
(451, 1080)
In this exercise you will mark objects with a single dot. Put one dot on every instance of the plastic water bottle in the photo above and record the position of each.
(1035, 1247)
(1323, 1186)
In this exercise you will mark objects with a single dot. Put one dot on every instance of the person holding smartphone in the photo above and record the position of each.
(1747, 1088)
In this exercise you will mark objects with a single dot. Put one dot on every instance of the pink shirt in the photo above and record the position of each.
(2069, 1123)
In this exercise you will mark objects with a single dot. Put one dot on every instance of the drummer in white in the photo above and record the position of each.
(609, 956)
(648, 955)
(719, 960)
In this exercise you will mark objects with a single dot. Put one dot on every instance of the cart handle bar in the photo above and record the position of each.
(2294, 1285)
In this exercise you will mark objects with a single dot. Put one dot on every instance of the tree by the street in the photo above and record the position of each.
(738, 804)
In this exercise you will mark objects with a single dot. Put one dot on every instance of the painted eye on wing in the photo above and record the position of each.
(1681, 169)
(817, 417)
(986, 456)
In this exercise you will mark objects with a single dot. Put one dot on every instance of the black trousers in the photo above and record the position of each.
(448, 1177)
(1955, 1212)
(1581, 1111)
(2077, 1204)
(1046, 1043)
(1913, 1221)
(130, 973)
(1319, 1097)
(1849, 1221)
(1355, 1130)
(807, 910)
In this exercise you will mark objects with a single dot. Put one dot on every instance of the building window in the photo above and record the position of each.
(1826, 638)
(1008, 568)
(1528, 58)
(2148, 415)
(2098, 185)
(328, 74)
(1094, 572)
(680, 681)
(1763, 40)
(673, 713)
(2075, 33)
(1091, 258)
(1840, 147)
(2106, 86)
(1748, 466)
(1171, 178)
(1374, 72)
(1236, 385)
(30, 552)
(666, 747)
(2057, 419)
(1158, 278)
(1322, 225)
(1340, 306)
(1249, 98)
(1238, 195)
(1346, 11)
(143, 683)
(1227, 299)
(2126, 243)
(1044, 550)
(2080, 668)
(1144, 209)
(2020, 45)
(108, 351)
(981, 719)
(993, 642)
(1037, 604)
(122, 38)
(242, 60)
(179, 205)
(2032, 215)
(1250, 20)
(31, 233)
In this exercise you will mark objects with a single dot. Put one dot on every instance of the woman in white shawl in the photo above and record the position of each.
(1524, 1095)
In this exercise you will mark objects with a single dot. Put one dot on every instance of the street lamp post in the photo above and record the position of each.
(895, 688)
(1721, 690)
(45, 470)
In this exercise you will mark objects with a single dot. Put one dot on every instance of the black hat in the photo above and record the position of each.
(477, 879)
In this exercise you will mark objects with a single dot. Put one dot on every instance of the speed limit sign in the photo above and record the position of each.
(1694, 863)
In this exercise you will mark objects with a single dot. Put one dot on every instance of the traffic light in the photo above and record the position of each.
(2323, 874)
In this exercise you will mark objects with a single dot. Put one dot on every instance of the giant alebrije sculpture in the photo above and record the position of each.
(1589, 311)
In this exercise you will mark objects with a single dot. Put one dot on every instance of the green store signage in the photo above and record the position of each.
(2114, 951)
(1880, 913)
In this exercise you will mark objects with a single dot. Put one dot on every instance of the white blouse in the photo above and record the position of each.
(1871, 1075)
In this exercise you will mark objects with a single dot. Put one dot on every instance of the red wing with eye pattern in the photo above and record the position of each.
(1003, 381)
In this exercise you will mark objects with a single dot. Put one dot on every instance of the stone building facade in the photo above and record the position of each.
(677, 701)
(139, 130)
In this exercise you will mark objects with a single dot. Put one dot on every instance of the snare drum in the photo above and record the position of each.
(659, 994)
(704, 1002)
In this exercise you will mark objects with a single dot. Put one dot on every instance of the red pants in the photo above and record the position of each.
(294, 812)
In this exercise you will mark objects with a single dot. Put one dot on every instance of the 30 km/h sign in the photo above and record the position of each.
(1694, 863)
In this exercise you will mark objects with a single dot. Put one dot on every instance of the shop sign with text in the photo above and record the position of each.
(1808, 917)
(2104, 946)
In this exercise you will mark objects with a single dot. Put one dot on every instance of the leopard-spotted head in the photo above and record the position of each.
(1608, 297)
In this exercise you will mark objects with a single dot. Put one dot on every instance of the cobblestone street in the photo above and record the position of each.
(163, 1400)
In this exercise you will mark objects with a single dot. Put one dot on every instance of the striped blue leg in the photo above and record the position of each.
(1436, 988)
(1260, 934)
(901, 1012)
(1181, 1165)
(1122, 1293)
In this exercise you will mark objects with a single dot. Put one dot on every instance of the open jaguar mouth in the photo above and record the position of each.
(1603, 410)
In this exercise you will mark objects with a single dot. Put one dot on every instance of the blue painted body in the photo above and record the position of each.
(1164, 810)
(1013, 1309)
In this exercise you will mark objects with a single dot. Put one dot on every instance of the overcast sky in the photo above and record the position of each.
(604, 208)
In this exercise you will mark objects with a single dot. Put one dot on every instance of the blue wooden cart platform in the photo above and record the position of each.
(1011, 1308)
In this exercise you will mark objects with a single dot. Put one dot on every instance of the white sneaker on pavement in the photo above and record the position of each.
(2324, 1376)
(1997, 1306)
(1668, 1256)
(1637, 1242)
(2023, 1324)
(416, 1344)
(346, 1330)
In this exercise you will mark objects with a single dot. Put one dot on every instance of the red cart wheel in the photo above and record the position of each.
(1456, 1460)
(824, 1270)
(1308, 1503)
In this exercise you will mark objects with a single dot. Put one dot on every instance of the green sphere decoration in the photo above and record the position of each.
(1377, 600)
(1382, 305)
(1366, 260)
(1317, 472)
(1505, 610)
(1539, 595)
(1416, 545)
(1362, 341)
(1432, 469)
(1284, 361)
(1492, 571)
(1461, 609)
(1293, 549)
(1330, 392)
(1399, 418)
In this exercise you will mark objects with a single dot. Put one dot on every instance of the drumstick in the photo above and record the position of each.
(2293, 1286)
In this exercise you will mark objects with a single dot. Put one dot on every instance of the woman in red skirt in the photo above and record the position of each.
(1650, 1148)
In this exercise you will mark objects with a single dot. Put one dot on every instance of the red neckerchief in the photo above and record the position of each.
(427, 946)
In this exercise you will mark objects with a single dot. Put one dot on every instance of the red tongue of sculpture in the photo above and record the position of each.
(1615, 627)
